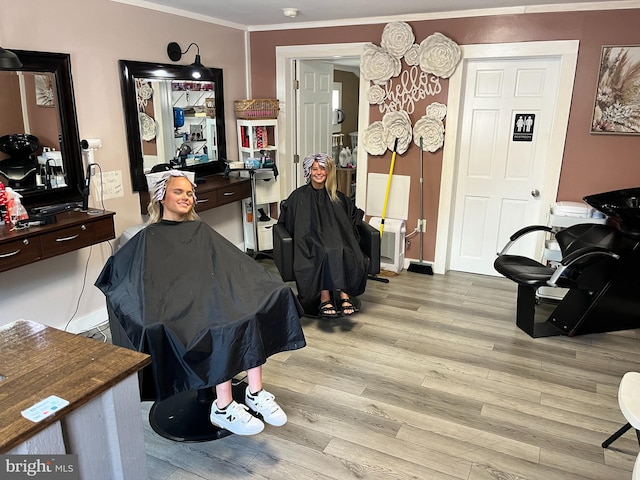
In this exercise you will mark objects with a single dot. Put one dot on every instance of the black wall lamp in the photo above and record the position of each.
(9, 60)
(196, 69)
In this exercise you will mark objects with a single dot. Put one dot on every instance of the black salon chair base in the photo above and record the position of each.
(184, 417)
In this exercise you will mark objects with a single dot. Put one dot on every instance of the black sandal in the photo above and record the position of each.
(348, 308)
(325, 307)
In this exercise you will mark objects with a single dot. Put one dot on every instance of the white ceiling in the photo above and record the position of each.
(256, 15)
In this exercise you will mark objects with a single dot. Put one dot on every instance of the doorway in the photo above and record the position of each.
(286, 58)
(455, 141)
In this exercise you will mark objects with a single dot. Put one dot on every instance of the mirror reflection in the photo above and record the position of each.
(40, 153)
(172, 120)
(30, 156)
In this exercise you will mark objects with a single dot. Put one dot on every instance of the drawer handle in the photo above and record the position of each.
(66, 239)
(11, 254)
(228, 194)
(72, 237)
(202, 201)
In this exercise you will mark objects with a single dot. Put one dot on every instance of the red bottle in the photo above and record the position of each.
(4, 212)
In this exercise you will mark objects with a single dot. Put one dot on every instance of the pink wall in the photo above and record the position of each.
(592, 163)
(97, 33)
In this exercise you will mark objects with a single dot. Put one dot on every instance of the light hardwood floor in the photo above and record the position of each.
(431, 380)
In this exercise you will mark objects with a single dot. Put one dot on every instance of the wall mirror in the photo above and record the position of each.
(40, 154)
(172, 119)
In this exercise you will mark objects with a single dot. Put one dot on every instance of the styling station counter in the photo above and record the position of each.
(102, 423)
(73, 230)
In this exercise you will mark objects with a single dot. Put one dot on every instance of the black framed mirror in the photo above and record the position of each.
(40, 153)
(172, 119)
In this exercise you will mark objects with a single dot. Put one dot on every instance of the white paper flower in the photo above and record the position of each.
(397, 37)
(432, 133)
(373, 139)
(436, 110)
(397, 125)
(439, 55)
(412, 56)
(375, 95)
(378, 66)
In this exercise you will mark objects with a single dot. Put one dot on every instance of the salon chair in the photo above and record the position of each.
(183, 417)
(599, 267)
(283, 255)
(21, 167)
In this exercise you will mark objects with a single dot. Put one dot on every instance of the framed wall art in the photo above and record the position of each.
(44, 90)
(617, 103)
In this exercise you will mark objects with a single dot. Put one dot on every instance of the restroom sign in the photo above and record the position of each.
(523, 127)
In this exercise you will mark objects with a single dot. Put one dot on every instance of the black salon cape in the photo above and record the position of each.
(203, 310)
(326, 250)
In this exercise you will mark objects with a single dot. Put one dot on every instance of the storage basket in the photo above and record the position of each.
(257, 109)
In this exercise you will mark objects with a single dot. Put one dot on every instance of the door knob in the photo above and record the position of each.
(535, 193)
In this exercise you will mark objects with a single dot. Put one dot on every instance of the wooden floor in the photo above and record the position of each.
(431, 380)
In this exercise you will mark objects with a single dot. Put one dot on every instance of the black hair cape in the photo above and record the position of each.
(204, 310)
(326, 249)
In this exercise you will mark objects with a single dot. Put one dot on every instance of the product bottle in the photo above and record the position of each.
(3, 205)
(249, 212)
(16, 210)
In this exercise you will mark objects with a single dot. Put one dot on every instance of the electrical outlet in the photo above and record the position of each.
(422, 225)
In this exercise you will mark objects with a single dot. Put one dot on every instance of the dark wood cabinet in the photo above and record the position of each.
(72, 231)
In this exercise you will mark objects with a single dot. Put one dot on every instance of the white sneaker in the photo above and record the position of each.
(235, 418)
(265, 404)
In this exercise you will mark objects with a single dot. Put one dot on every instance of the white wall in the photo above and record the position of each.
(98, 33)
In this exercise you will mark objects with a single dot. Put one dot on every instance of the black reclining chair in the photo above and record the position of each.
(283, 251)
(599, 267)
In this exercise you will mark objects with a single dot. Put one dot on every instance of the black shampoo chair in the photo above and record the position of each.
(599, 268)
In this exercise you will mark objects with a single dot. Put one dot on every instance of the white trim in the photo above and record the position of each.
(483, 12)
(568, 50)
(285, 57)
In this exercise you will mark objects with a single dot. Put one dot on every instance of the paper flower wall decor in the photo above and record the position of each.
(377, 66)
(412, 56)
(397, 125)
(439, 55)
(397, 38)
(373, 139)
(431, 128)
(375, 95)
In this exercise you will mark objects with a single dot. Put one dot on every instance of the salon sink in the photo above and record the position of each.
(621, 206)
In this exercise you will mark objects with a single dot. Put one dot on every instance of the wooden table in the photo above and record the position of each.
(102, 424)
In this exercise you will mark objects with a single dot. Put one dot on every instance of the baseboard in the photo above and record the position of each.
(92, 320)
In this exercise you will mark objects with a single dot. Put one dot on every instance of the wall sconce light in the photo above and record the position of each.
(9, 60)
(196, 69)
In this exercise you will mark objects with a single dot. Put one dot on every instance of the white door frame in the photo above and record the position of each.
(285, 56)
(568, 51)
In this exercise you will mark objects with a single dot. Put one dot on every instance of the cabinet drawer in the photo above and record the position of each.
(267, 189)
(19, 252)
(69, 239)
(233, 193)
(206, 200)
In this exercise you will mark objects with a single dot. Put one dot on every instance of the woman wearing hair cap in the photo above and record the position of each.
(326, 253)
(203, 309)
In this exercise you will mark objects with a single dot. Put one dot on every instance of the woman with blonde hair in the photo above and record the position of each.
(327, 257)
(203, 310)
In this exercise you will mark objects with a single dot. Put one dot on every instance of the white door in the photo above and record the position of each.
(507, 119)
(314, 110)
